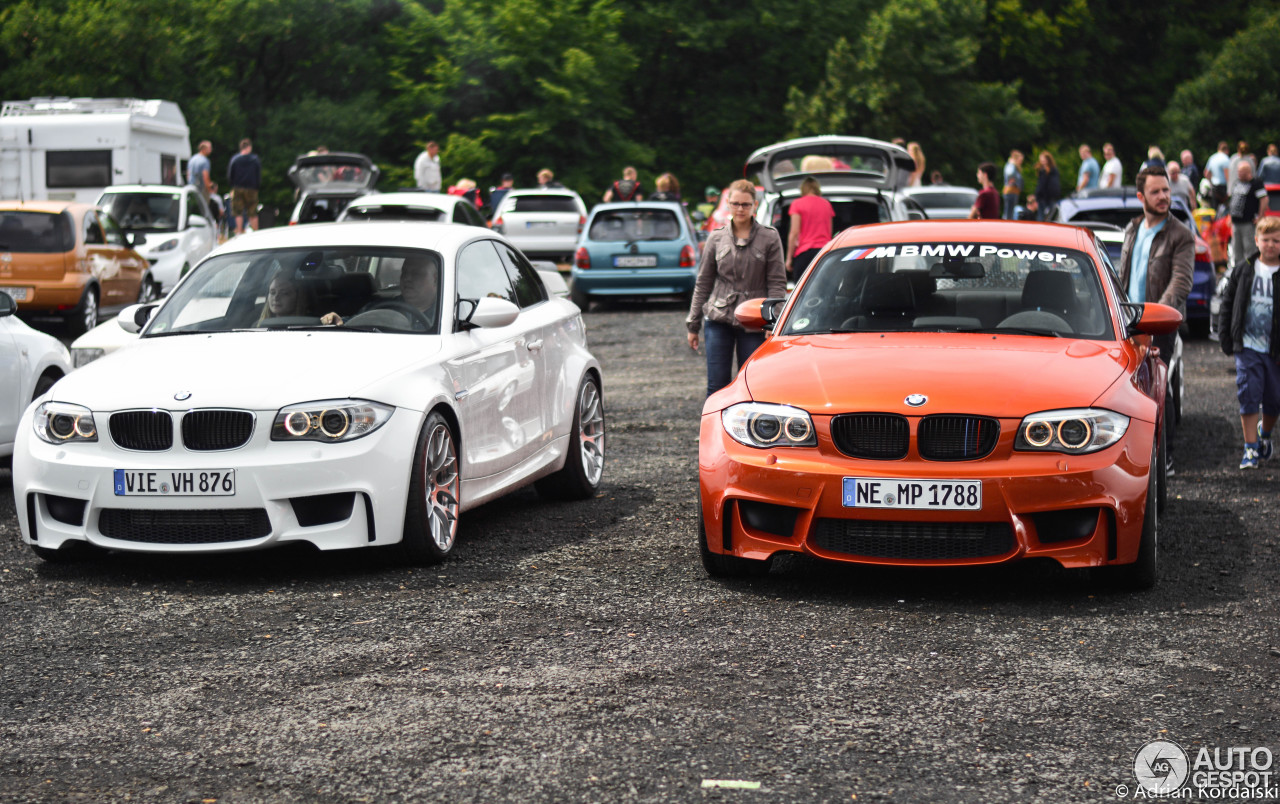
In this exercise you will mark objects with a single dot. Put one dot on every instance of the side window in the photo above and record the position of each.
(481, 273)
(475, 218)
(92, 231)
(529, 288)
(1112, 276)
(114, 236)
(460, 214)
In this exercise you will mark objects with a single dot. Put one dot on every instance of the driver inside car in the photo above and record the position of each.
(419, 289)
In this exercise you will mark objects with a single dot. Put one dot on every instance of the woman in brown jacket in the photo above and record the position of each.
(742, 260)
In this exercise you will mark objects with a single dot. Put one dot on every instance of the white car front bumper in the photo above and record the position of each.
(334, 496)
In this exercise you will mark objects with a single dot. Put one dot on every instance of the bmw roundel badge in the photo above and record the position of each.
(916, 400)
(182, 396)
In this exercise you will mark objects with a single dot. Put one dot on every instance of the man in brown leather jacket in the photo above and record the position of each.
(1157, 258)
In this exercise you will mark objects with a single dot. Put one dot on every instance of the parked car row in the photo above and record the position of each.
(410, 363)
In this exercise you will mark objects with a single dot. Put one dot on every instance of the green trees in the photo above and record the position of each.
(691, 86)
(912, 74)
(1234, 98)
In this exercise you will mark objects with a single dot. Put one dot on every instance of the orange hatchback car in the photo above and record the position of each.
(69, 261)
(944, 393)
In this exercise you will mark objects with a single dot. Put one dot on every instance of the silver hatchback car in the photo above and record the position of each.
(542, 223)
(863, 179)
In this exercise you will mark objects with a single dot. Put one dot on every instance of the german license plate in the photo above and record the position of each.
(17, 294)
(635, 262)
(929, 495)
(538, 224)
(175, 483)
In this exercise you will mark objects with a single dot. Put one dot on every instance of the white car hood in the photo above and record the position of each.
(249, 370)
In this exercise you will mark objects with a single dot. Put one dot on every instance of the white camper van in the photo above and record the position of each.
(69, 149)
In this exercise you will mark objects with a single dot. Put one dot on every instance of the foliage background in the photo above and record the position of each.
(691, 86)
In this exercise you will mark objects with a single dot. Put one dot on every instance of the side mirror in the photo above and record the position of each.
(493, 313)
(1152, 319)
(135, 239)
(134, 317)
(7, 305)
(759, 313)
(197, 222)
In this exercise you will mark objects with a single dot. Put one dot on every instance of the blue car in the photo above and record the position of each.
(635, 248)
(1109, 211)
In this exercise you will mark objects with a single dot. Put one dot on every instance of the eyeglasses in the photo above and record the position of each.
(742, 204)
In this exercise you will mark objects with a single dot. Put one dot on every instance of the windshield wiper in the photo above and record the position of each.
(1014, 331)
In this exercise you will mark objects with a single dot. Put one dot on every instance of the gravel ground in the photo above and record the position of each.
(578, 653)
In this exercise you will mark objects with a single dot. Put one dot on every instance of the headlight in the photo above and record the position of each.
(329, 421)
(61, 423)
(83, 357)
(1077, 431)
(168, 245)
(758, 424)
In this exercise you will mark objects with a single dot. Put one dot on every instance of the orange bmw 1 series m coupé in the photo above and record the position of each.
(944, 393)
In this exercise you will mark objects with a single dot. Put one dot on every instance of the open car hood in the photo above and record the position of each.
(834, 160)
(335, 171)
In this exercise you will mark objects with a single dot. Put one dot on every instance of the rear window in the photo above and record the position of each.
(939, 200)
(1116, 217)
(36, 232)
(629, 225)
(544, 203)
(394, 213)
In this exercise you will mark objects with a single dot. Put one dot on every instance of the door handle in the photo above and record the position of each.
(534, 346)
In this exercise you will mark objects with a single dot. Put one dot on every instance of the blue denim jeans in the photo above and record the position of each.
(720, 341)
(1010, 201)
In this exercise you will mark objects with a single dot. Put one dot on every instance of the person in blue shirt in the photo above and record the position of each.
(1156, 261)
(1088, 175)
(1216, 169)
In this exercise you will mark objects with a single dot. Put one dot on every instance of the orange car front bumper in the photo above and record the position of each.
(1080, 510)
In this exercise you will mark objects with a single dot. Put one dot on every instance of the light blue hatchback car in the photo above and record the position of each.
(635, 248)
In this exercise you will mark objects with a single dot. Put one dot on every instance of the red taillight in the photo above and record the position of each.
(497, 226)
(582, 221)
(687, 257)
(582, 259)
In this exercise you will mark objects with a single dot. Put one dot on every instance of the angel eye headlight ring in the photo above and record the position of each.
(298, 423)
(1038, 433)
(334, 422)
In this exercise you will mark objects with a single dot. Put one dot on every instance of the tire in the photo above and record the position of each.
(85, 316)
(1141, 574)
(579, 297)
(431, 511)
(148, 291)
(584, 464)
(1162, 493)
(45, 382)
(718, 565)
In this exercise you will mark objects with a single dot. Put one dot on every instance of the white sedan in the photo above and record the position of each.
(176, 221)
(30, 363)
(448, 377)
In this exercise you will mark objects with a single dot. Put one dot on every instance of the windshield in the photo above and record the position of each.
(630, 225)
(144, 212)
(953, 287)
(366, 288)
(35, 232)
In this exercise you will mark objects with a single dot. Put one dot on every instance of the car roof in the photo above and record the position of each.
(674, 206)
(939, 188)
(44, 206)
(442, 237)
(512, 193)
(409, 198)
(145, 188)
(988, 231)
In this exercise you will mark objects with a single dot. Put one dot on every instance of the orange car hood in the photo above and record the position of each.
(1004, 376)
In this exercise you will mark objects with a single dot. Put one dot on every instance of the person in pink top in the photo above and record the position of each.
(811, 217)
